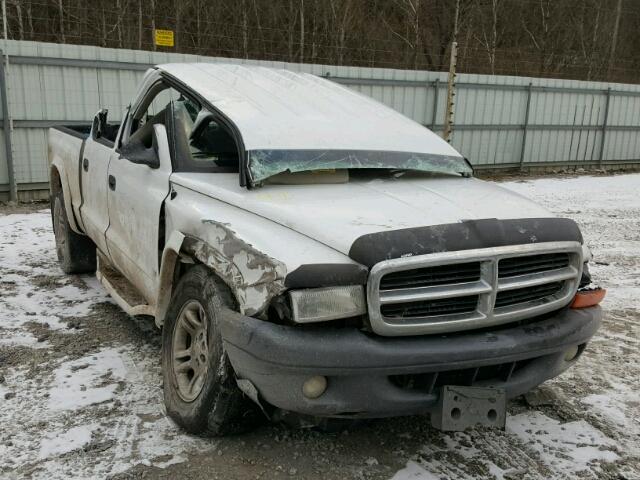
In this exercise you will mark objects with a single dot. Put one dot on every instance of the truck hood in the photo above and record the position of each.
(338, 214)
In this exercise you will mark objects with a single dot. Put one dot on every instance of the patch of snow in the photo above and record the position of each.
(172, 461)
(64, 441)
(565, 447)
(18, 337)
(413, 471)
(27, 249)
(152, 443)
(619, 405)
(78, 383)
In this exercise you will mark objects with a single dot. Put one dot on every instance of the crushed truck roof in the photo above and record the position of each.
(278, 109)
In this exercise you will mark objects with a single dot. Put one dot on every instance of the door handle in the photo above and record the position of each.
(112, 182)
(85, 164)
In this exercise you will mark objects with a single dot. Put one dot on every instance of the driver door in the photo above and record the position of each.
(136, 194)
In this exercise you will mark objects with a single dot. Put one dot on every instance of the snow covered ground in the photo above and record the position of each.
(81, 396)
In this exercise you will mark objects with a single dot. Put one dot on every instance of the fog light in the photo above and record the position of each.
(314, 386)
(571, 353)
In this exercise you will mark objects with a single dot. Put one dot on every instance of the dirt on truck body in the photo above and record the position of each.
(309, 252)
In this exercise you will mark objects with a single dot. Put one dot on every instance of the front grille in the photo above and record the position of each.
(453, 291)
(529, 294)
(511, 267)
(425, 277)
(433, 307)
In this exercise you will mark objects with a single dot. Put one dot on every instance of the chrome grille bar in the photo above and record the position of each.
(434, 293)
(486, 288)
(533, 279)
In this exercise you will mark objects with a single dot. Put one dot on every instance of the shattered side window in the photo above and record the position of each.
(202, 144)
(266, 163)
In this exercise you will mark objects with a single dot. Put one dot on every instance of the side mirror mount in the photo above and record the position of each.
(138, 153)
(99, 125)
(161, 144)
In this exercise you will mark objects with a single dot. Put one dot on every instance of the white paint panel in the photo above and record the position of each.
(337, 214)
(282, 110)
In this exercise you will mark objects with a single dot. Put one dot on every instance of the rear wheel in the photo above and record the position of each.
(200, 390)
(76, 253)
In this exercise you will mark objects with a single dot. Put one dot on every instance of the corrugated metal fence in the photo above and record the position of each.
(500, 121)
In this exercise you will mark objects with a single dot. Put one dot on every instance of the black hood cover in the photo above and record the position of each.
(375, 247)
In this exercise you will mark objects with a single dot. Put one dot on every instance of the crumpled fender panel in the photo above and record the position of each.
(253, 276)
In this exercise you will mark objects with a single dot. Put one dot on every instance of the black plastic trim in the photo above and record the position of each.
(80, 160)
(326, 275)
(77, 131)
(467, 235)
(278, 359)
(343, 351)
(107, 143)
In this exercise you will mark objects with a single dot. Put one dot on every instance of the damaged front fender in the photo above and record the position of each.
(253, 276)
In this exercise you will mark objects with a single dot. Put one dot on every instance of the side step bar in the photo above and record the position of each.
(121, 290)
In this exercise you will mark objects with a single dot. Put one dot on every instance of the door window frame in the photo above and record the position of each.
(151, 91)
(219, 117)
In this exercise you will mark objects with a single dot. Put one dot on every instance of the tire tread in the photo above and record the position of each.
(79, 256)
(227, 410)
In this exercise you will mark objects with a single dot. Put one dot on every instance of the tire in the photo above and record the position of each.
(200, 390)
(76, 253)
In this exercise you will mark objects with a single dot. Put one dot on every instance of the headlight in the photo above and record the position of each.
(586, 253)
(321, 304)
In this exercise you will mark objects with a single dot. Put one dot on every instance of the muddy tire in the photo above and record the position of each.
(76, 253)
(200, 390)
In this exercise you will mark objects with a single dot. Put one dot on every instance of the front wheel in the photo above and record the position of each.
(200, 390)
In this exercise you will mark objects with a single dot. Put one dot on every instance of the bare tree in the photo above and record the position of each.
(18, 7)
(301, 31)
(139, 24)
(614, 35)
(589, 39)
(153, 23)
(61, 13)
(489, 30)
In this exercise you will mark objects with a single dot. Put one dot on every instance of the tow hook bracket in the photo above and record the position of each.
(462, 407)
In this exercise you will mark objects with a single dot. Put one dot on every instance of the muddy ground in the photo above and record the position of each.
(81, 393)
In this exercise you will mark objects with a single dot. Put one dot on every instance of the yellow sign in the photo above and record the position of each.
(164, 38)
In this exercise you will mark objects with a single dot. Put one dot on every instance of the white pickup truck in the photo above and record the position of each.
(308, 250)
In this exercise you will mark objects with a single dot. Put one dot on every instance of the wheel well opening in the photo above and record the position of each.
(186, 262)
(55, 184)
(176, 265)
(162, 239)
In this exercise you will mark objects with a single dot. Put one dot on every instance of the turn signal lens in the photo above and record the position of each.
(588, 298)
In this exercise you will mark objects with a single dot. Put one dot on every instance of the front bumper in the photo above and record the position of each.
(373, 376)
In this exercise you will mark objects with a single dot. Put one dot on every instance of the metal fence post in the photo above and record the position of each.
(525, 125)
(451, 88)
(436, 94)
(604, 127)
(6, 126)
